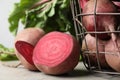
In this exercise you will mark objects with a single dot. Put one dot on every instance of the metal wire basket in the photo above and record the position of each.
(81, 32)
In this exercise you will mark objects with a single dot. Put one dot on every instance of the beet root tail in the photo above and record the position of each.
(114, 39)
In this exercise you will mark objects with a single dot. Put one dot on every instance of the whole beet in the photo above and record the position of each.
(25, 41)
(101, 22)
(89, 44)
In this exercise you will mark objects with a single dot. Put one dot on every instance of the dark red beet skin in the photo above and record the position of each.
(56, 53)
(82, 3)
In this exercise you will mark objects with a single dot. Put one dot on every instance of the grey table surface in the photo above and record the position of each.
(79, 73)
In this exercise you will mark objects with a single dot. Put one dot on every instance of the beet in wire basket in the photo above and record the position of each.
(96, 25)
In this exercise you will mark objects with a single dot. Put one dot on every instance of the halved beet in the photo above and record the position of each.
(56, 53)
(27, 38)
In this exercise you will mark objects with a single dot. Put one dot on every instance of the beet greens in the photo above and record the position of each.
(46, 14)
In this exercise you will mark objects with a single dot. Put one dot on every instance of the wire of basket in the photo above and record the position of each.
(81, 32)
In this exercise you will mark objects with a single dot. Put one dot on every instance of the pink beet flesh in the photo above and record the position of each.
(26, 50)
(55, 51)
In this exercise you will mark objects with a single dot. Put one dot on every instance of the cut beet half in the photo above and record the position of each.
(58, 52)
(26, 50)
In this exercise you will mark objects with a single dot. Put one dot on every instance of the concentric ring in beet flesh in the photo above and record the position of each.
(56, 53)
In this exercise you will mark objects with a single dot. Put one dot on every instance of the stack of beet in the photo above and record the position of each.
(102, 24)
(52, 53)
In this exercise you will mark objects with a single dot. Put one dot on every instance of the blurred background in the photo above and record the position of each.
(6, 38)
